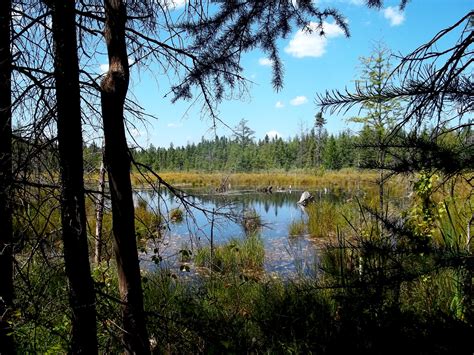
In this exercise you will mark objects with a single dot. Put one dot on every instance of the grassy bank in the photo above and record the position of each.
(402, 290)
(345, 178)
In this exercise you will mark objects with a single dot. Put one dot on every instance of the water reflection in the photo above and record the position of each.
(283, 254)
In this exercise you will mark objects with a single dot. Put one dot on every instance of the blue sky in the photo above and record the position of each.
(311, 65)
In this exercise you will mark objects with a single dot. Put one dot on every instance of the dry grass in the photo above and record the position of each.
(347, 179)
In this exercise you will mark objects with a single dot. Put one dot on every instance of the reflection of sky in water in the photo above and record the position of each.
(282, 254)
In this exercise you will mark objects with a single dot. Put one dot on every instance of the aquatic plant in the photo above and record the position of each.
(176, 215)
(251, 222)
(296, 228)
(147, 223)
(324, 217)
(239, 256)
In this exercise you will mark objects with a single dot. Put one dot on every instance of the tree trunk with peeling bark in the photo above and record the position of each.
(73, 216)
(117, 160)
(6, 241)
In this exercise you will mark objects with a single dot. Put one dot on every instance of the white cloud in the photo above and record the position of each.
(394, 15)
(306, 44)
(299, 100)
(265, 62)
(174, 125)
(273, 134)
(279, 104)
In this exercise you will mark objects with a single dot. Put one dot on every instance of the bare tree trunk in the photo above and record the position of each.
(6, 248)
(73, 216)
(117, 161)
(100, 213)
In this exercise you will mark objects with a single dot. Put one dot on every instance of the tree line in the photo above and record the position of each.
(228, 154)
(303, 152)
(307, 151)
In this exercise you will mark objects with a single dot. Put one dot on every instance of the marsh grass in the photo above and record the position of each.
(297, 228)
(147, 223)
(326, 217)
(238, 256)
(373, 295)
(349, 179)
(176, 215)
(403, 302)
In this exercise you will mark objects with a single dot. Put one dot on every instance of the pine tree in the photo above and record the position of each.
(380, 113)
(319, 122)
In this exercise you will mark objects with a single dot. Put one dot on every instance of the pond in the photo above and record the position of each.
(284, 255)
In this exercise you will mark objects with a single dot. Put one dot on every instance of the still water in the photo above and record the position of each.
(284, 254)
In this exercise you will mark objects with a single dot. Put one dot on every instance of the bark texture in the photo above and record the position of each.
(117, 161)
(73, 216)
(6, 242)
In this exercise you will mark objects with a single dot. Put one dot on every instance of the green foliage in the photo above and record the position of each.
(332, 155)
(296, 228)
(307, 151)
(380, 114)
(370, 294)
(326, 217)
(367, 291)
(425, 211)
(243, 257)
(147, 222)
(42, 321)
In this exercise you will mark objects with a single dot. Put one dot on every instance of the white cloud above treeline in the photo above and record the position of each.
(306, 44)
(279, 104)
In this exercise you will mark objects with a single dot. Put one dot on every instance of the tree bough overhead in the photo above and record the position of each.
(435, 83)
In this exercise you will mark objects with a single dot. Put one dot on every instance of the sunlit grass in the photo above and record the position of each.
(326, 217)
(238, 256)
(347, 178)
(296, 228)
